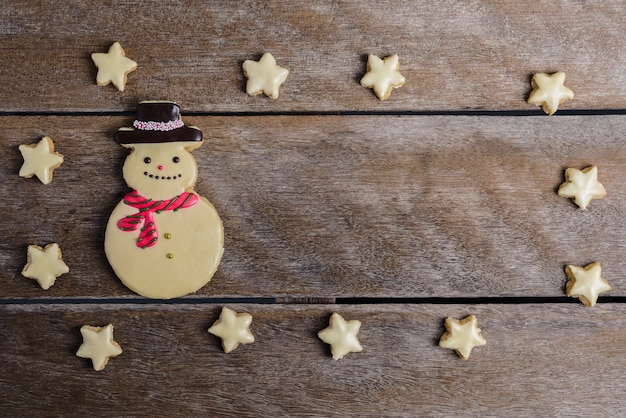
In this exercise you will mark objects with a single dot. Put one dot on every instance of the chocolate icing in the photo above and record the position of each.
(158, 112)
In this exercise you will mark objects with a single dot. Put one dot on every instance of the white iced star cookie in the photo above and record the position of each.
(462, 336)
(549, 91)
(233, 328)
(40, 160)
(44, 264)
(383, 75)
(98, 345)
(582, 186)
(586, 283)
(113, 66)
(264, 76)
(341, 336)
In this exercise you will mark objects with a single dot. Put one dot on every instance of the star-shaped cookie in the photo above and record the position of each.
(586, 283)
(383, 75)
(582, 186)
(549, 91)
(264, 76)
(113, 66)
(341, 335)
(40, 160)
(462, 336)
(98, 345)
(44, 264)
(233, 328)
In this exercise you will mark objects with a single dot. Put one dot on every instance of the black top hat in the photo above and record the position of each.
(157, 122)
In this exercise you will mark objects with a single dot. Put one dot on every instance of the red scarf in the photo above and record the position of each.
(145, 217)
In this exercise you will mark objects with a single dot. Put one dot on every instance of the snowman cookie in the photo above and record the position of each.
(162, 240)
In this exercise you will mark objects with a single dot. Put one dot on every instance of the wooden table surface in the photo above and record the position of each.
(438, 202)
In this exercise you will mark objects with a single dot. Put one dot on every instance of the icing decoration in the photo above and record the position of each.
(40, 160)
(462, 336)
(44, 264)
(145, 217)
(163, 240)
(582, 186)
(158, 126)
(383, 75)
(264, 76)
(549, 91)
(113, 66)
(341, 335)
(98, 345)
(233, 328)
(586, 283)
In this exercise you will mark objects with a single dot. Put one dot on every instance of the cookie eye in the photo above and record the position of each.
(147, 160)
(176, 159)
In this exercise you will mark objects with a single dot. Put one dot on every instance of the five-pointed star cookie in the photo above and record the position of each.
(98, 345)
(44, 264)
(40, 160)
(586, 283)
(549, 91)
(383, 75)
(462, 336)
(582, 186)
(264, 76)
(113, 66)
(233, 328)
(341, 335)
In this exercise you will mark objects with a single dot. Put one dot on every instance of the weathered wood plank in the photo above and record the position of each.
(539, 360)
(469, 55)
(341, 206)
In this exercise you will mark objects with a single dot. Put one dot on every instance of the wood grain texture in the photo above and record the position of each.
(454, 55)
(540, 360)
(338, 206)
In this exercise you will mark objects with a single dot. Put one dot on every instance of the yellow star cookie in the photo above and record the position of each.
(582, 186)
(549, 91)
(462, 336)
(40, 160)
(341, 335)
(586, 283)
(264, 76)
(44, 264)
(113, 66)
(233, 328)
(98, 345)
(383, 75)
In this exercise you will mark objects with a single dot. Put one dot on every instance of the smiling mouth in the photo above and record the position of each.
(152, 176)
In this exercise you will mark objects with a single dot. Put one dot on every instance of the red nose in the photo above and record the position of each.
(160, 167)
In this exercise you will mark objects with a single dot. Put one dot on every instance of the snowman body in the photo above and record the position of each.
(163, 240)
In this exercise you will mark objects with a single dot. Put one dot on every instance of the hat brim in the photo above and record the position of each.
(126, 136)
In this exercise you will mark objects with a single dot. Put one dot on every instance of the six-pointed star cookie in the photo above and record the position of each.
(264, 76)
(98, 345)
(341, 335)
(233, 328)
(582, 186)
(40, 160)
(462, 336)
(383, 75)
(586, 283)
(549, 91)
(113, 66)
(44, 264)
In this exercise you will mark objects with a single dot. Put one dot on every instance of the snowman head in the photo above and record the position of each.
(160, 165)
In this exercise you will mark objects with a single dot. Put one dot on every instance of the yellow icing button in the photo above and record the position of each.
(168, 236)
(170, 255)
(341, 336)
